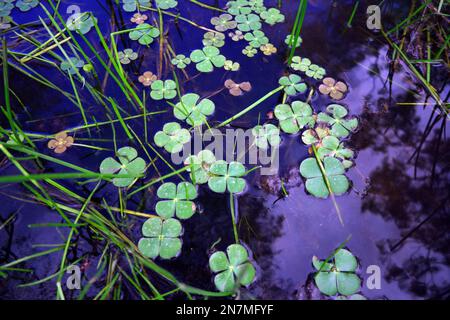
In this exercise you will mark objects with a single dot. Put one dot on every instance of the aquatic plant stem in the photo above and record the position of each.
(249, 108)
(233, 218)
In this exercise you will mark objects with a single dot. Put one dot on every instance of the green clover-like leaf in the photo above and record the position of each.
(315, 136)
(315, 181)
(132, 5)
(192, 110)
(144, 33)
(256, 38)
(272, 16)
(129, 164)
(305, 65)
(6, 7)
(226, 176)
(290, 41)
(198, 166)
(126, 56)
(72, 65)
(336, 117)
(233, 268)
(214, 39)
(81, 22)
(161, 238)
(332, 147)
(266, 135)
(239, 7)
(294, 117)
(249, 51)
(293, 84)
(223, 22)
(207, 58)
(166, 4)
(178, 201)
(26, 5)
(172, 137)
(181, 61)
(337, 275)
(248, 22)
(163, 90)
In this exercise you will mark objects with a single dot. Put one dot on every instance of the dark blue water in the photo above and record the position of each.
(396, 214)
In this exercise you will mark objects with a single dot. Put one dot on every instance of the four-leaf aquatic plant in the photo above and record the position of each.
(266, 135)
(161, 238)
(295, 116)
(336, 117)
(144, 33)
(192, 110)
(163, 90)
(338, 274)
(233, 268)
(226, 176)
(207, 58)
(172, 137)
(198, 166)
(293, 84)
(129, 164)
(178, 200)
(316, 183)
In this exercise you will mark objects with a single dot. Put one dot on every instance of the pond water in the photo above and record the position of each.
(396, 215)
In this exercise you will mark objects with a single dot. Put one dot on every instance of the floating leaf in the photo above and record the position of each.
(82, 22)
(272, 16)
(237, 89)
(315, 136)
(207, 58)
(179, 202)
(268, 49)
(214, 39)
(335, 89)
(305, 65)
(248, 22)
(338, 275)
(181, 61)
(144, 34)
(61, 142)
(6, 7)
(256, 38)
(233, 268)
(139, 18)
(199, 166)
(126, 56)
(166, 4)
(295, 116)
(239, 7)
(336, 117)
(332, 147)
(172, 137)
(293, 84)
(249, 51)
(72, 65)
(223, 22)
(129, 164)
(266, 135)
(163, 90)
(290, 41)
(132, 5)
(26, 5)
(315, 182)
(192, 110)
(227, 177)
(161, 238)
